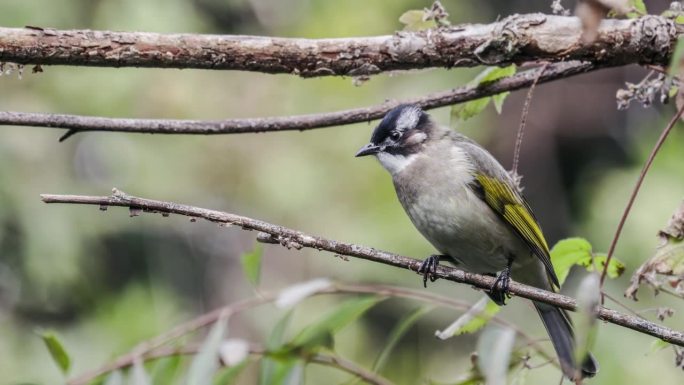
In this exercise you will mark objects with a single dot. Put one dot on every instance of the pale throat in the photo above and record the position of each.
(395, 163)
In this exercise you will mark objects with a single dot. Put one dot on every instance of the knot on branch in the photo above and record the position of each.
(287, 241)
(507, 39)
(654, 37)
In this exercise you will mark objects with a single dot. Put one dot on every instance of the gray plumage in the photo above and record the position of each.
(435, 173)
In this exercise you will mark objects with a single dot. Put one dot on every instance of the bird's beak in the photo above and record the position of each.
(369, 149)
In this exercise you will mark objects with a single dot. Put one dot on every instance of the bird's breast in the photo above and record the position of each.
(446, 211)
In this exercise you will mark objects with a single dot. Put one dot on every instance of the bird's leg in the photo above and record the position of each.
(429, 268)
(499, 291)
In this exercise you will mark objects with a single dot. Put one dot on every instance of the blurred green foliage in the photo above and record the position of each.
(105, 281)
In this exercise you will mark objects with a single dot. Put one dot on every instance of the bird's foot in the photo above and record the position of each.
(429, 268)
(500, 291)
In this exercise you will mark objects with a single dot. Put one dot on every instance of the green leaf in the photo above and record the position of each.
(400, 329)
(165, 370)
(615, 268)
(206, 361)
(251, 264)
(496, 73)
(639, 6)
(494, 349)
(57, 352)
(114, 378)
(473, 320)
(138, 375)
(320, 333)
(675, 62)
(287, 371)
(269, 366)
(467, 110)
(295, 376)
(578, 251)
(657, 346)
(498, 100)
(639, 9)
(672, 92)
(491, 74)
(227, 376)
(414, 20)
(567, 253)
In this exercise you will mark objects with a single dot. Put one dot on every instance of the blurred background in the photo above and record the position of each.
(105, 281)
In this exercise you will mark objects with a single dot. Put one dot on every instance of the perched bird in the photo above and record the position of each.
(468, 206)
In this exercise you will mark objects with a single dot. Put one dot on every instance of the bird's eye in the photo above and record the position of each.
(395, 135)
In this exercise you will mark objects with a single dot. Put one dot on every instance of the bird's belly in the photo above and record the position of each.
(465, 228)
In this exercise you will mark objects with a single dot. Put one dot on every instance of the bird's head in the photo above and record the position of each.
(399, 137)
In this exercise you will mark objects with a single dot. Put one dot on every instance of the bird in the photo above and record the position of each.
(465, 203)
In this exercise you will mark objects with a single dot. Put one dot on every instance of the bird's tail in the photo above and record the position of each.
(559, 328)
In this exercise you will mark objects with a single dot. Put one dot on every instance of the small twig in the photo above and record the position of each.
(295, 239)
(523, 120)
(542, 364)
(78, 123)
(667, 291)
(68, 134)
(636, 188)
(619, 303)
(350, 367)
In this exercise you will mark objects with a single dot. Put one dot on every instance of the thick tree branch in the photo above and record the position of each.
(295, 239)
(515, 39)
(76, 123)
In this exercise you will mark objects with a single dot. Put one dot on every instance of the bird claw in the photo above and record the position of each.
(429, 269)
(500, 289)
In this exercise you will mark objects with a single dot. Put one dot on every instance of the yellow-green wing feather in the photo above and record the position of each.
(511, 206)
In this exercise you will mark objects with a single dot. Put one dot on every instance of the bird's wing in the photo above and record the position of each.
(509, 204)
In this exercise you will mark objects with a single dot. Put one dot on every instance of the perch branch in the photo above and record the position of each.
(76, 123)
(290, 238)
(515, 39)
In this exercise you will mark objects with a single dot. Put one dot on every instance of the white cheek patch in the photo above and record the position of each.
(395, 163)
(417, 138)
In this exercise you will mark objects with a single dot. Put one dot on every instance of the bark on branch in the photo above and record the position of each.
(76, 123)
(290, 238)
(515, 39)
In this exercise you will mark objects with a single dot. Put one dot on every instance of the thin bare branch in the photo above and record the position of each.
(523, 121)
(515, 39)
(637, 187)
(341, 363)
(76, 123)
(295, 239)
